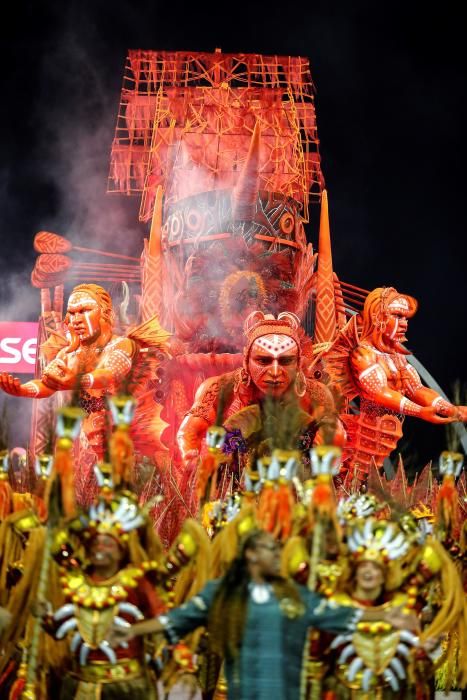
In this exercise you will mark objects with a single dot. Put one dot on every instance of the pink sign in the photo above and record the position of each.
(18, 345)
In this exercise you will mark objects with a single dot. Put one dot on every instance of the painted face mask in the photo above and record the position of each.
(397, 321)
(83, 315)
(273, 363)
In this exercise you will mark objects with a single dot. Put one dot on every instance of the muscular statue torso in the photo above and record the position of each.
(317, 402)
(94, 362)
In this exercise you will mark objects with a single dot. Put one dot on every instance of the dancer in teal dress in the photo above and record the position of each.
(258, 622)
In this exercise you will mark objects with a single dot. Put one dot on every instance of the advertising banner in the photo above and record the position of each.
(18, 345)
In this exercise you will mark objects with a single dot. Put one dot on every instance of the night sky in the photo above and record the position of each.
(391, 86)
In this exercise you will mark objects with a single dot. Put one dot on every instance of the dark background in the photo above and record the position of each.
(391, 108)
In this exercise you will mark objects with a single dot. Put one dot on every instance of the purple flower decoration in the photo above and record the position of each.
(305, 441)
(234, 442)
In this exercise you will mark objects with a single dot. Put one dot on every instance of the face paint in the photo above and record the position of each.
(78, 299)
(88, 322)
(274, 344)
(397, 322)
(394, 330)
(84, 315)
(273, 363)
(399, 305)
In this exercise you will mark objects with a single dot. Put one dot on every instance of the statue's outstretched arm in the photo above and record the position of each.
(115, 365)
(424, 396)
(372, 382)
(35, 389)
(201, 415)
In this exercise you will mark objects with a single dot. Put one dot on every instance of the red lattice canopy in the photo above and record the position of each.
(186, 120)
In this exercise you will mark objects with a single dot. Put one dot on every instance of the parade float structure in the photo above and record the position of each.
(223, 153)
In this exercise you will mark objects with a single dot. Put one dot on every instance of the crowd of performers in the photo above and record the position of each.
(296, 569)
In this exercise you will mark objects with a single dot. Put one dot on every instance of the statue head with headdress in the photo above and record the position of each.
(89, 315)
(272, 354)
(385, 318)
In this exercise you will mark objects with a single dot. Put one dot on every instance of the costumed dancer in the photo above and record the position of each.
(22, 539)
(267, 503)
(376, 564)
(258, 622)
(109, 589)
(377, 661)
(109, 565)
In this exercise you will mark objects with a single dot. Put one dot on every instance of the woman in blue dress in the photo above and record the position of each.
(258, 622)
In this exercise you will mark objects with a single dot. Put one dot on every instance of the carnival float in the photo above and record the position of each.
(225, 378)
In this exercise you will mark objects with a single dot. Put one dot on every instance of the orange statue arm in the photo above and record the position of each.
(414, 389)
(190, 436)
(58, 375)
(429, 397)
(425, 396)
(114, 366)
(35, 389)
(372, 382)
(201, 415)
(55, 377)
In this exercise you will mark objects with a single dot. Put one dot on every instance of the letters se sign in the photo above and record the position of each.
(18, 344)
